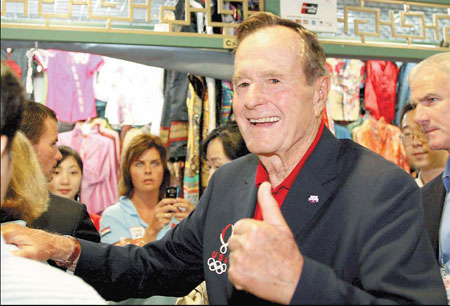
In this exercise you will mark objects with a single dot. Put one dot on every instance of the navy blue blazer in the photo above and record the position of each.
(433, 194)
(363, 240)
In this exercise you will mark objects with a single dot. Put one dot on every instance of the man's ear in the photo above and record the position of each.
(4, 143)
(321, 88)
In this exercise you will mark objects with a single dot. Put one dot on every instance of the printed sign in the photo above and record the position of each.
(315, 15)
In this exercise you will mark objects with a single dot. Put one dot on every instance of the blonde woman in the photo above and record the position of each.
(27, 194)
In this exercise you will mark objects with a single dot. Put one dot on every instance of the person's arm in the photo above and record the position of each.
(170, 266)
(37, 244)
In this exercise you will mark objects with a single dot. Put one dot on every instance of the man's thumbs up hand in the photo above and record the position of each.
(264, 257)
(269, 206)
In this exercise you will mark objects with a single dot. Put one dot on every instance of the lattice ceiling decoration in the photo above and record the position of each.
(365, 22)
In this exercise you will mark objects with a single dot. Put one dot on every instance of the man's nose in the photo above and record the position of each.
(58, 155)
(254, 95)
(420, 116)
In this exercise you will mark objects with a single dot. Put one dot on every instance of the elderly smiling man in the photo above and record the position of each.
(305, 219)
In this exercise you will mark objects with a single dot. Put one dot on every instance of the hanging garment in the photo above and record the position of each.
(192, 171)
(133, 93)
(211, 83)
(70, 91)
(342, 132)
(380, 90)
(403, 92)
(227, 101)
(335, 96)
(99, 184)
(112, 134)
(384, 139)
(208, 103)
(346, 79)
(353, 79)
(18, 61)
(174, 120)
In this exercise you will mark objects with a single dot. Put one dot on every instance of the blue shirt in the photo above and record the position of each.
(446, 176)
(122, 220)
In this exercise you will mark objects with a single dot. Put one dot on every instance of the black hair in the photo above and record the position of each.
(233, 143)
(68, 151)
(12, 99)
(407, 108)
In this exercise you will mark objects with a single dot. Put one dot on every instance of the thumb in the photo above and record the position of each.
(269, 206)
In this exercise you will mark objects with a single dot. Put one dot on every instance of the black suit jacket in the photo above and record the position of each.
(67, 217)
(433, 195)
(363, 242)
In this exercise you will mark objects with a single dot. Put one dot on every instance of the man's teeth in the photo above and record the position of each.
(264, 120)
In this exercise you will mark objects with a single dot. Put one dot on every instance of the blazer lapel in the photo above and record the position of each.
(246, 192)
(311, 190)
(433, 195)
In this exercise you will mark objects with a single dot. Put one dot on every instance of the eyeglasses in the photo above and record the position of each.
(409, 136)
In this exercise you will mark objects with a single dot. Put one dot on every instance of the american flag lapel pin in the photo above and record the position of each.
(313, 199)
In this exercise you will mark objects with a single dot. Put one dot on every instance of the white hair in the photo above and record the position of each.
(440, 61)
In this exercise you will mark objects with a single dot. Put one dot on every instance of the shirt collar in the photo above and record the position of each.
(127, 205)
(446, 176)
(262, 175)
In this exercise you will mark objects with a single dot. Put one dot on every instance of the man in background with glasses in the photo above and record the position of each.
(427, 162)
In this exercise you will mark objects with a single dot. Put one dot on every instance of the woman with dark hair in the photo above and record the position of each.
(223, 144)
(142, 213)
(67, 178)
(67, 175)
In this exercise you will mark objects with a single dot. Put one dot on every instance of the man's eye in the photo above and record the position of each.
(428, 101)
(274, 81)
(243, 84)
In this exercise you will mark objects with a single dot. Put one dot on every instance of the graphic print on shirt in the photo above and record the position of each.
(218, 262)
(136, 232)
(105, 231)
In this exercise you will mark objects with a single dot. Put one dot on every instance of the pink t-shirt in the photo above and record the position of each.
(70, 90)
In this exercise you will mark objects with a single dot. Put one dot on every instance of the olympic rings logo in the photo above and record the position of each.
(216, 266)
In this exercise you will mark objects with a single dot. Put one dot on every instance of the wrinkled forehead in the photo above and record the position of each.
(275, 35)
